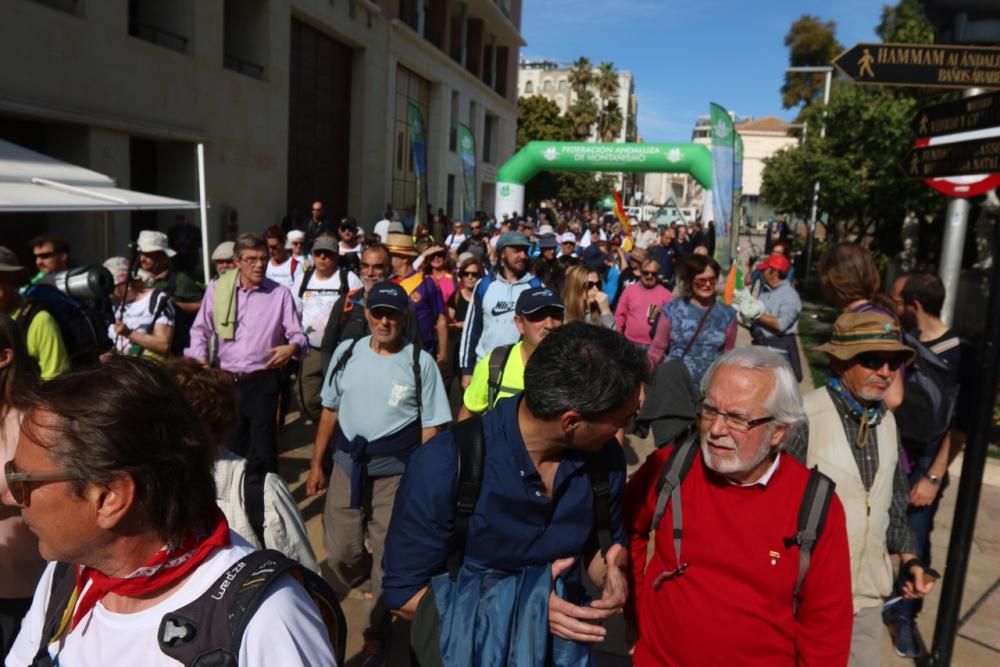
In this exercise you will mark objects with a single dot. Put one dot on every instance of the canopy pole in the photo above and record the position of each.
(202, 206)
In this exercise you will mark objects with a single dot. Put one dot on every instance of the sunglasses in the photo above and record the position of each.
(874, 362)
(436, 255)
(474, 229)
(649, 274)
(557, 314)
(470, 274)
(18, 481)
(592, 284)
(322, 253)
(44, 255)
(704, 282)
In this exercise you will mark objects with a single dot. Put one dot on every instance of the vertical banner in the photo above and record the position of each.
(418, 145)
(467, 152)
(722, 181)
(737, 193)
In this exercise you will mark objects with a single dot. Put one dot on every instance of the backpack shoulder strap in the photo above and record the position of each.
(418, 384)
(668, 487)
(809, 526)
(344, 358)
(497, 364)
(209, 630)
(306, 277)
(344, 287)
(58, 611)
(601, 487)
(470, 445)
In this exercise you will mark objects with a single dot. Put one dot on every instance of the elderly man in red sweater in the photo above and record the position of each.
(722, 582)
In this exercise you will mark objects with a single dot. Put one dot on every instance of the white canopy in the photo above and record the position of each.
(32, 182)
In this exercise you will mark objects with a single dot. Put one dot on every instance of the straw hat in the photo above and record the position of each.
(857, 333)
(401, 244)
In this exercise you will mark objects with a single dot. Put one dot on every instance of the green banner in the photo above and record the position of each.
(418, 144)
(467, 153)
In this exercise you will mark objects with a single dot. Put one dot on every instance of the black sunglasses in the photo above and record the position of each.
(874, 361)
(470, 274)
(323, 253)
(44, 255)
(649, 274)
(593, 284)
(557, 314)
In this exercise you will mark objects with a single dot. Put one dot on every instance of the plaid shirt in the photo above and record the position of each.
(899, 538)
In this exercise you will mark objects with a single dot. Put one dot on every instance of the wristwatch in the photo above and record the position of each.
(933, 479)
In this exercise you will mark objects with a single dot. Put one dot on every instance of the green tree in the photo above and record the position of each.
(539, 119)
(810, 41)
(583, 114)
(610, 117)
(905, 23)
(609, 125)
(581, 75)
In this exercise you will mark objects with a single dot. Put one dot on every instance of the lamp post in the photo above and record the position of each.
(828, 70)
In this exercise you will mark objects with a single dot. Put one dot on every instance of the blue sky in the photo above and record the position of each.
(670, 48)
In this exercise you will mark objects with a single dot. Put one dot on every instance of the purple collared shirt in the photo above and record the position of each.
(265, 318)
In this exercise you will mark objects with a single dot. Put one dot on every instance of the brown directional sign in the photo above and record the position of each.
(962, 158)
(922, 65)
(964, 115)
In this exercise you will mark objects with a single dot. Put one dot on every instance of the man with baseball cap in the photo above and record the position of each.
(567, 243)
(489, 321)
(547, 243)
(382, 398)
(154, 258)
(852, 438)
(539, 310)
(776, 327)
(41, 330)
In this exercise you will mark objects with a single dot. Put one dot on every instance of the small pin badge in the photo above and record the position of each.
(774, 557)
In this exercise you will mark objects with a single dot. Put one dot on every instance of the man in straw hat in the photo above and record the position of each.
(424, 294)
(852, 438)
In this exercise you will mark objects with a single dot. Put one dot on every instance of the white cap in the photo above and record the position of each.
(223, 251)
(567, 237)
(153, 241)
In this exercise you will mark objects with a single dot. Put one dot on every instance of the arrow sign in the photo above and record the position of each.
(922, 65)
(964, 115)
(958, 159)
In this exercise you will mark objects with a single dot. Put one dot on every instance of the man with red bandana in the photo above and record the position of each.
(113, 473)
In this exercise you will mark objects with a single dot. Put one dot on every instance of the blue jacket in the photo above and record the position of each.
(489, 321)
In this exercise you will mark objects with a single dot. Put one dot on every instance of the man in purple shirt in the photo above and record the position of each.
(253, 320)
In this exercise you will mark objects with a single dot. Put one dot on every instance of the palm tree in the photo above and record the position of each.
(610, 122)
(583, 113)
(581, 75)
(607, 82)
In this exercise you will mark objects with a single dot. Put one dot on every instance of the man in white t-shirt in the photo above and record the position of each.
(282, 267)
(314, 292)
(382, 226)
(113, 472)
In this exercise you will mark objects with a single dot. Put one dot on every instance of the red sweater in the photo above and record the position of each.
(733, 605)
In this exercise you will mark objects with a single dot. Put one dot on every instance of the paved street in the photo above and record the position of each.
(978, 642)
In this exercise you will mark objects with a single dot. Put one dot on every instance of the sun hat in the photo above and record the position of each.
(8, 260)
(857, 333)
(118, 267)
(401, 244)
(152, 241)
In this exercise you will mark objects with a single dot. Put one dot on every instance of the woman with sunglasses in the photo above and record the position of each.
(584, 299)
(436, 263)
(20, 563)
(697, 328)
(470, 270)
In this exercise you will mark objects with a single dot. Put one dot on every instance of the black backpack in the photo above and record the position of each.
(83, 325)
(208, 631)
(809, 526)
(307, 276)
(930, 394)
(494, 381)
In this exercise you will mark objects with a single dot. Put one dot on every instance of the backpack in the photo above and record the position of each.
(208, 631)
(182, 319)
(930, 394)
(494, 381)
(307, 276)
(809, 526)
(83, 325)
(470, 444)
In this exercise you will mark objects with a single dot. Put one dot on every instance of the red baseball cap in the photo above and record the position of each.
(775, 261)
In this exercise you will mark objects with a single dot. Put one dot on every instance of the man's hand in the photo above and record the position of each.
(282, 354)
(316, 481)
(920, 583)
(923, 492)
(121, 329)
(442, 362)
(571, 621)
(614, 592)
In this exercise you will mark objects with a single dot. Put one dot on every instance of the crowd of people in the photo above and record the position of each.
(471, 387)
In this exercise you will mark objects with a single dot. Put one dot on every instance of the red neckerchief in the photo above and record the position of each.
(166, 567)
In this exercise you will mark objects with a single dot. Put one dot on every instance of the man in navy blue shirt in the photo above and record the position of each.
(666, 254)
(536, 503)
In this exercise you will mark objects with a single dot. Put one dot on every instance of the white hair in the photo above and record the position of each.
(785, 401)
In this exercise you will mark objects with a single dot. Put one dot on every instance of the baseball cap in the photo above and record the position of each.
(593, 257)
(512, 239)
(387, 294)
(775, 261)
(547, 241)
(325, 243)
(567, 237)
(546, 229)
(348, 223)
(8, 260)
(537, 298)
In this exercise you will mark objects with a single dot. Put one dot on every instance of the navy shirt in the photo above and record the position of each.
(665, 255)
(514, 525)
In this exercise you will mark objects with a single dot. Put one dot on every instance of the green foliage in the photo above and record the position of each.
(583, 114)
(905, 23)
(539, 119)
(581, 75)
(810, 42)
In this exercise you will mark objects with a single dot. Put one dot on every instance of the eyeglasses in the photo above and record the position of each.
(704, 282)
(18, 481)
(44, 255)
(474, 229)
(254, 260)
(874, 361)
(470, 274)
(709, 412)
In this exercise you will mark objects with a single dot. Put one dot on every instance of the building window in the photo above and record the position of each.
(166, 23)
(410, 89)
(529, 88)
(245, 32)
(563, 85)
(453, 131)
(547, 86)
(409, 13)
(450, 196)
(490, 125)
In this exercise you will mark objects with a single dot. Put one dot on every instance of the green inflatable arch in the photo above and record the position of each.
(536, 156)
